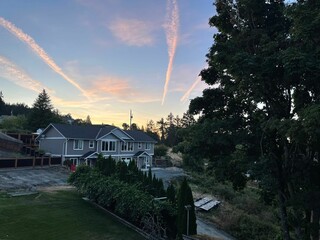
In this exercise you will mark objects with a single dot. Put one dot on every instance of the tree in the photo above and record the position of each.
(171, 194)
(187, 120)
(263, 69)
(125, 126)
(151, 130)
(160, 150)
(162, 129)
(107, 166)
(42, 112)
(14, 123)
(2, 103)
(171, 130)
(88, 120)
(134, 126)
(185, 206)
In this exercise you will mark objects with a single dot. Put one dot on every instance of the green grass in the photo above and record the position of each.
(58, 215)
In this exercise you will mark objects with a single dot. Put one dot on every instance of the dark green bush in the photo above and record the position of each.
(250, 227)
(160, 150)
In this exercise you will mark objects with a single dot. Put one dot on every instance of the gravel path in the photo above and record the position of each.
(29, 179)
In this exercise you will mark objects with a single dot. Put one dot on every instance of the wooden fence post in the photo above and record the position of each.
(34, 162)
(41, 161)
(49, 161)
(16, 163)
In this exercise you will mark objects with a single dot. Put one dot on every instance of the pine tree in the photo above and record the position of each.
(185, 201)
(42, 113)
(171, 194)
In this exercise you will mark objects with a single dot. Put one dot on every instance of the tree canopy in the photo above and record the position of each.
(260, 112)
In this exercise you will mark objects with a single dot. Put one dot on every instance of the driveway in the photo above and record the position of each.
(168, 174)
(29, 179)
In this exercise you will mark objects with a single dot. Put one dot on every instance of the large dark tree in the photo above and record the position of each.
(42, 112)
(261, 112)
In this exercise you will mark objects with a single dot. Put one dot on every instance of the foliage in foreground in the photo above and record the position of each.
(261, 111)
(135, 196)
(127, 200)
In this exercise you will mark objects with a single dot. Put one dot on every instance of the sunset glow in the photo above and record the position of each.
(103, 58)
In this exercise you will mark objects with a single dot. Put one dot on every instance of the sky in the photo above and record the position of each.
(104, 57)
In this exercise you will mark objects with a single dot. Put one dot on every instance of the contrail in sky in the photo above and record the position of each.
(171, 28)
(13, 73)
(38, 51)
(187, 94)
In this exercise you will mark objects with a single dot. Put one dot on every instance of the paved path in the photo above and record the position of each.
(31, 178)
(167, 174)
(205, 228)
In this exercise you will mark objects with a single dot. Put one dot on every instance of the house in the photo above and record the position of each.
(81, 144)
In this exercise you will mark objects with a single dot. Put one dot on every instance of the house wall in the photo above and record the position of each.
(72, 151)
(52, 132)
(53, 146)
(112, 138)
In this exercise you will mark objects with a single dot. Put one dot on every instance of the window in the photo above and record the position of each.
(139, 145)
(127, 146)
(91, 144)
(78, 145)
(108, 146)
(148, 146)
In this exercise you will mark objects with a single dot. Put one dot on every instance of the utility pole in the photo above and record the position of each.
(131, 116)
(188, 208)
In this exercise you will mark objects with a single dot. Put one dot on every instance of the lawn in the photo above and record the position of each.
(57, 215)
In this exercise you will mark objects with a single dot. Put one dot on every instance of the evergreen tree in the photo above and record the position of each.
(42, 113)
(107, 166)
(185, 205)
(88, 120)
(151, 130)
(122, 171)
(171, 194)
(162, 128)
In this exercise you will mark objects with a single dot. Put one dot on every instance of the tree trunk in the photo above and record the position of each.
(284, 216)
(315, 224)
(307, 224)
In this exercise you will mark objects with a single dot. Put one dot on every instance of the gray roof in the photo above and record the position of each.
(140, 136)
(82, 131)
(92, 132)
(138, 154)
(89, 154)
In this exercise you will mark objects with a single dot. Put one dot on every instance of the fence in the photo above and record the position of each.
(29, 162)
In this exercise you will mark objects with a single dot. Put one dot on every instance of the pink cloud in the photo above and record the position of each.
(132, 32)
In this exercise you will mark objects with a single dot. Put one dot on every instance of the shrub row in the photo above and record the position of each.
(125, 200)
